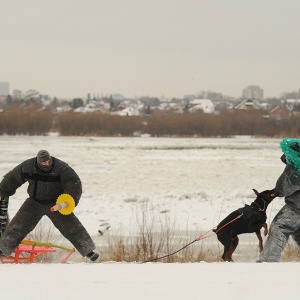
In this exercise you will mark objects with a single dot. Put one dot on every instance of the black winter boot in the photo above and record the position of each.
(93, 256)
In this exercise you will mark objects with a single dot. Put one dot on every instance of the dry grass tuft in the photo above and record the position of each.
(291, 252)
(157, 237)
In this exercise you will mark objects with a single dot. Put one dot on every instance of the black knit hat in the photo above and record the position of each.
(43, 155)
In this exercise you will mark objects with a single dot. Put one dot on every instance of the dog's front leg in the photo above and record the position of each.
(260, 241)
(265, 226)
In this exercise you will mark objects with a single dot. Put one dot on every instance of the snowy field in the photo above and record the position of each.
(197, 182)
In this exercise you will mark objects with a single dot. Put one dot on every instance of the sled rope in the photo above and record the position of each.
(201, 237)
(43, 244)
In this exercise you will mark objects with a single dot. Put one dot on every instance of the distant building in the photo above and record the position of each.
(279, 113)
(291, 103)
(247, 105)
(253, 92)
(4, 90)
(206, 105)
(128, 111)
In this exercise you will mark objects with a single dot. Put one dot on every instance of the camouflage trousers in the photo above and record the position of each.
(28, 217)
(285, 224)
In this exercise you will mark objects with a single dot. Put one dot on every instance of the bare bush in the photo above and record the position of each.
(34, 120)
(97, 124)
(157, 236)
(226, 123)
(28, 122)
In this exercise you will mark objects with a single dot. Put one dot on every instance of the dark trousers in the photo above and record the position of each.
(28, 217)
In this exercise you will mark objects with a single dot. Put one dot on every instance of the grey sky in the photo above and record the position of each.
(68, 48)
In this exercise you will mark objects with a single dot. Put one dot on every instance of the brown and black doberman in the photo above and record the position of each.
(248, 219)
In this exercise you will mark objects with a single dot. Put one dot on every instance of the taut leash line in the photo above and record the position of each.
(201, 237)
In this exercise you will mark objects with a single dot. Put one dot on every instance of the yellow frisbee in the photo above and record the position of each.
(66, 198)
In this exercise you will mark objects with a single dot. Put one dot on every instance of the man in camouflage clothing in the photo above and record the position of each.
(48, 178)
(287, 222)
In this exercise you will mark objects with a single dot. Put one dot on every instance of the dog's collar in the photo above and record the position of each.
(265, 204)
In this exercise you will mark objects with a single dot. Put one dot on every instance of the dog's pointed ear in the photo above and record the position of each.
(255, 191)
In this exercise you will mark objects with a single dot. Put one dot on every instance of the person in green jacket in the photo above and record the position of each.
(287, 221)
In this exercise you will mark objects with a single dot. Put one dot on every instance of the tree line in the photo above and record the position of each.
(163, 124)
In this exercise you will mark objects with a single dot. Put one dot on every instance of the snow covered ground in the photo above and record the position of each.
(230, 281)
(195, 181)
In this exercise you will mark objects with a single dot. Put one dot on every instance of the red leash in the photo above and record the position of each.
(201, 237)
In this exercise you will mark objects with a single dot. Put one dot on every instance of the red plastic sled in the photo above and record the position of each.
(28, 251)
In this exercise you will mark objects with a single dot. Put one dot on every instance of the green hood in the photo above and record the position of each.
(291, 149)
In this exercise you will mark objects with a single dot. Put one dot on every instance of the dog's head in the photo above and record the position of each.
(266, 196)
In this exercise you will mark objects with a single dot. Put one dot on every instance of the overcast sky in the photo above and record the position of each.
(68, 48)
